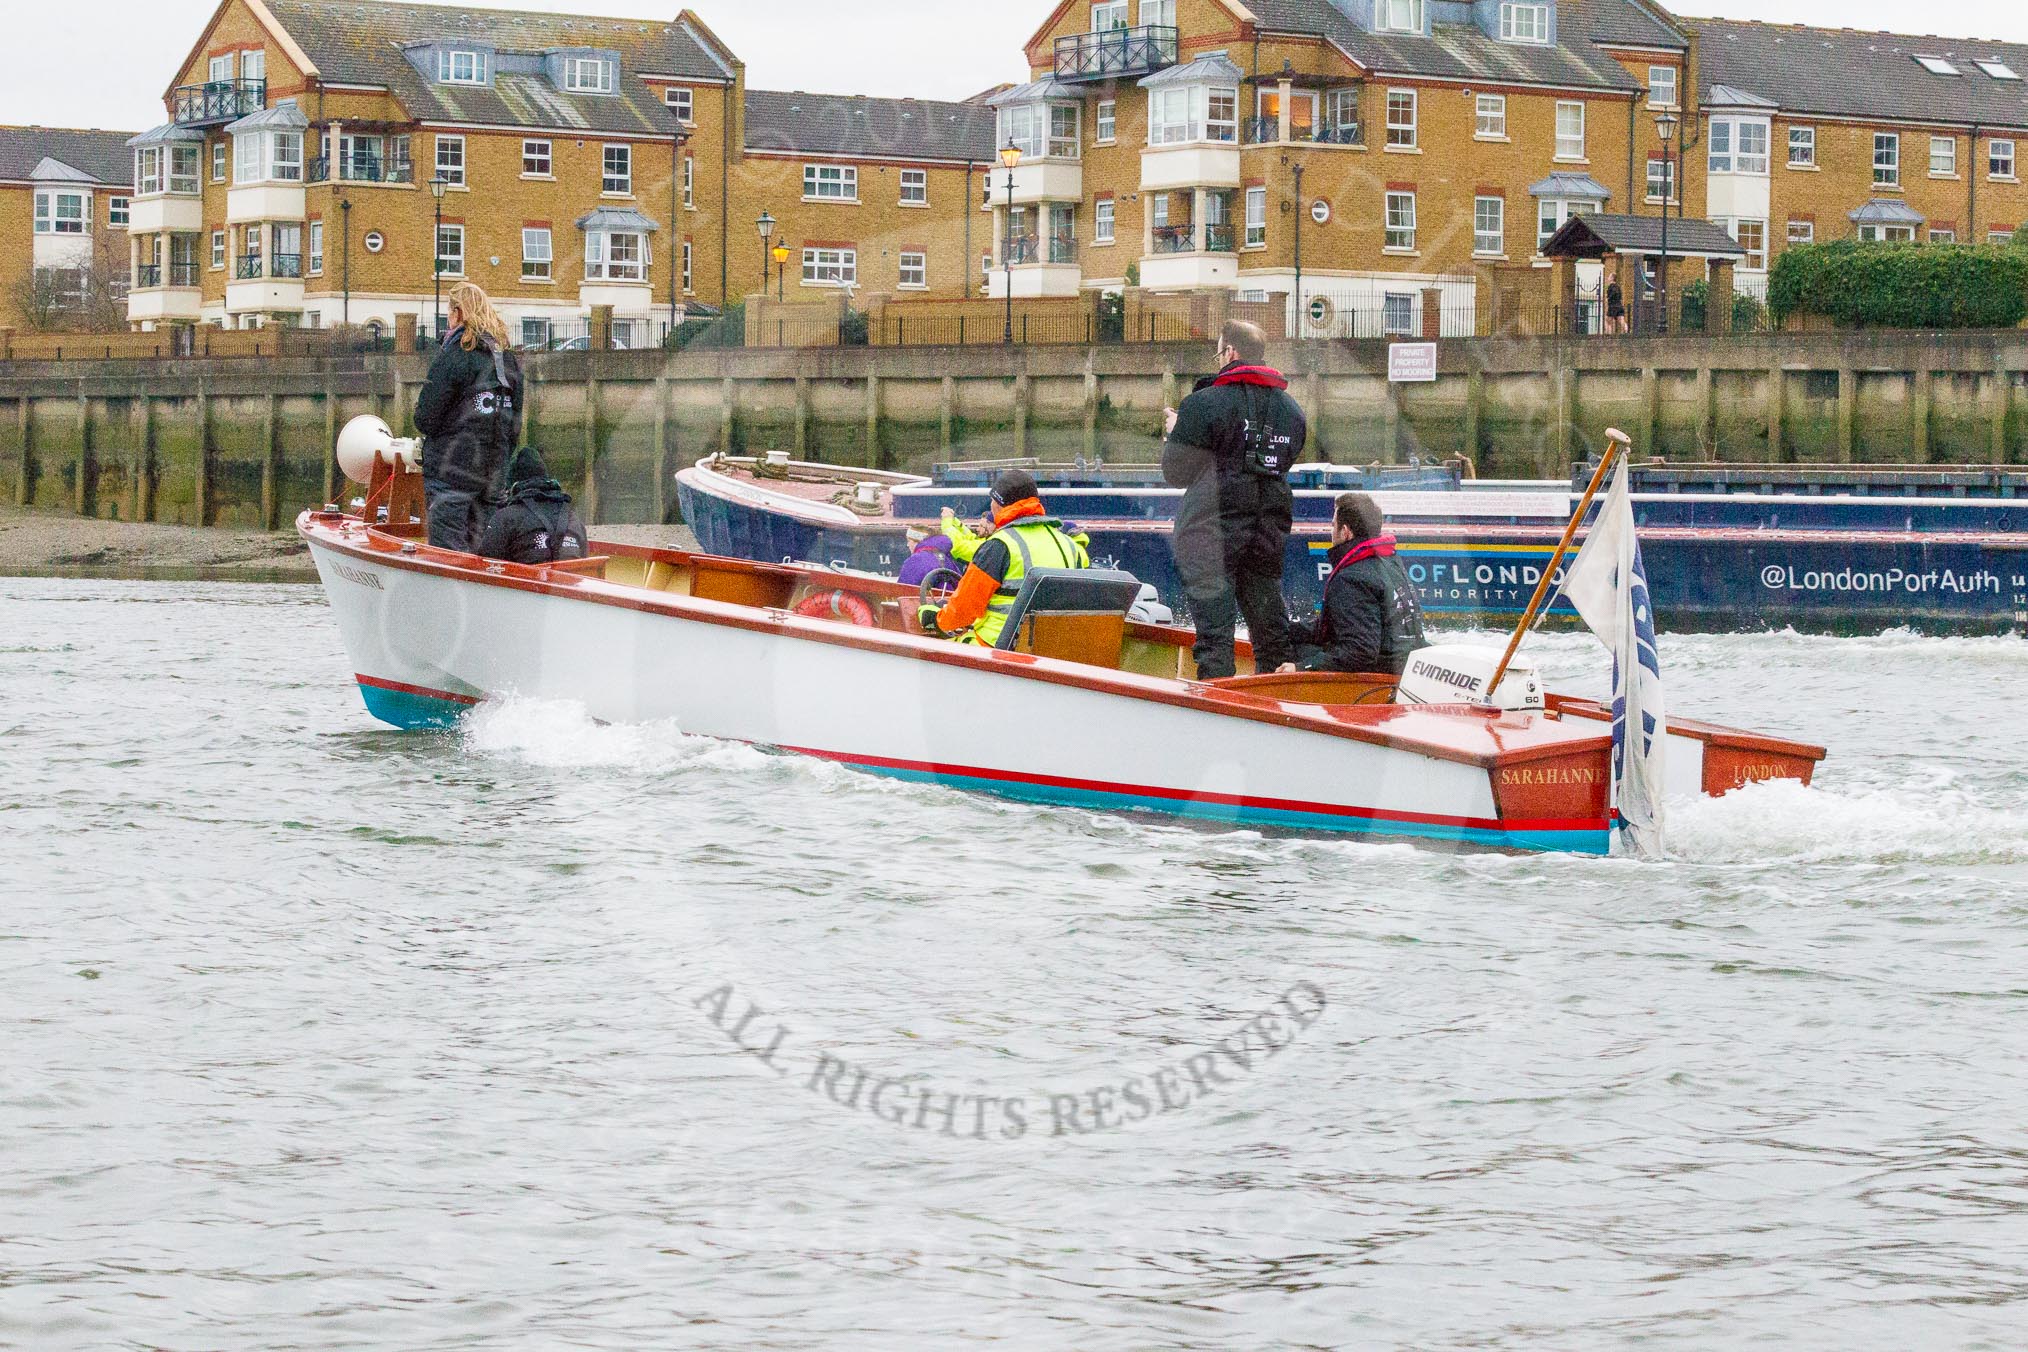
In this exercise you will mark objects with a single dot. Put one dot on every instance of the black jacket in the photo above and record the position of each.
(1370, 619)
(1234, 504)
(538, 525)
(469, 412)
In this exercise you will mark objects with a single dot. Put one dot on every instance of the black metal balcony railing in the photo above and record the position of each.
(288, 265)
(183, 274)
(1220, 239)
(249, 268)
(219, 101)
(1115, 53)
(1175, 239)
(1022, 250)
(147, 277)
(1063, 249)
(1264, 131)
(361, 169)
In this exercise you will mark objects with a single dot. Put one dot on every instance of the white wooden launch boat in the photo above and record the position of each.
(1085, 708)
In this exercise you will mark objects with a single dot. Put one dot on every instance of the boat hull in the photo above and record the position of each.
(1704, 576)
(427, 643)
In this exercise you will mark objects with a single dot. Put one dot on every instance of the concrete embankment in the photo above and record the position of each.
(246, 443)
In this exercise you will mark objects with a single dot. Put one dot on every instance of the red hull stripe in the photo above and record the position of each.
(422, 690)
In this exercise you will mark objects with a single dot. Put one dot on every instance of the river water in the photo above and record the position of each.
(319, 1035)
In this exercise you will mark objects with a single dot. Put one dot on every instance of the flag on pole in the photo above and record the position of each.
(1609, 588)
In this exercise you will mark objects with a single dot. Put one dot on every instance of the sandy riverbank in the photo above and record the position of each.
(44, 542)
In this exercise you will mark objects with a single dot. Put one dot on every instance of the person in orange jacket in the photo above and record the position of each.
(1024, 537)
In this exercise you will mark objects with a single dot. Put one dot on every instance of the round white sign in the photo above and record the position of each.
(375, 242)
(1320, 211)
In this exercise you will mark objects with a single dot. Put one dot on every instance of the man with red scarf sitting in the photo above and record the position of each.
(1370, 619)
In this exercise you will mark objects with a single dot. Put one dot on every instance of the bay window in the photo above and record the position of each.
(615, 256)
(184, 168)
(1193, 113)
(60, 213)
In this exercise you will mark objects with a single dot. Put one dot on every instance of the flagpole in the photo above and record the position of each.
(1617, 443)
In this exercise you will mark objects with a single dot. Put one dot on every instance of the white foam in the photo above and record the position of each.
(558, 733)
(1786, 822)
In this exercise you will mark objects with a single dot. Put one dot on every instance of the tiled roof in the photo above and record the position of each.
(1456, 51)
(1885, 211)
(849, 125)
(1579, 187)
(1837, 72)
(102, 156)
(362, 41)
(1643, 235)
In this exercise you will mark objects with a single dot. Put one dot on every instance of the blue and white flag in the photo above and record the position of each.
(1609, 588)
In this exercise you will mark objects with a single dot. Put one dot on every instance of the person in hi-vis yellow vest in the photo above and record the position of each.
(1023, 537)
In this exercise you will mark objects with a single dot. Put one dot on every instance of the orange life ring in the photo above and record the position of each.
(836, 605)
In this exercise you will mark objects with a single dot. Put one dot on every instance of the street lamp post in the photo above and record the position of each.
(1665, 127)
(437, 187)
(1010, 156)
(781, 265)
(766, 226)
(1302, 210)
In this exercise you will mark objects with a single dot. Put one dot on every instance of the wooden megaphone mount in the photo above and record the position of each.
(391, 468)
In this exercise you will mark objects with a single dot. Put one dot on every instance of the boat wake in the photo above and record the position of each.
(1784, 822)
(559, 734)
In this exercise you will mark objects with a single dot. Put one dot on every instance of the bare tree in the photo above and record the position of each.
(88, 298)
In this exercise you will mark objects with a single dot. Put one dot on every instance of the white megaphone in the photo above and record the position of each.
(368, 440)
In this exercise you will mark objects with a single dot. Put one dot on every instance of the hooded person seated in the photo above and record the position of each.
(1370, 620)
(538, 523)
(1023, 537)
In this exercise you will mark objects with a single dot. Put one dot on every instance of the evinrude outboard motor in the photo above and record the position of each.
(1458, 673)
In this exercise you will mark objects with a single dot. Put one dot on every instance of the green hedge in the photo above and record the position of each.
(1902, 286)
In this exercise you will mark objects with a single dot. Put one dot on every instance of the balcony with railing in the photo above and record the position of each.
(248, 269)
(218, 101)
(147, 276)
(1116, 53)
(361, 169)
(1175, 239)
(1267, 131)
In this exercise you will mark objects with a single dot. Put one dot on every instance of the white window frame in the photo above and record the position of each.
(1489, 227)
(1489, 118)
(1802, 232)
(447, 231)
(119, 210)
(217, 250)
(689, 257)
(52, 219)
(1999, 237)
(313, 255)
(1943, 157)
(1393, 303)
(253, 65)
(1401, 134)
(1886, 159)
(920, 267)
(1398, 223)
(616, 170)
(450, 159)
(1398, 16)
(690, 182)
(679, 100)
(448, 63)
(1106, 123)
(1994, 158)
(1803, 140)
(285, 157)
(1524, 22)
(1947, 235)
(221, 68)
(1066, 125)
(587, 75)
(1570, 144)
(532, 157)
(1102, 216)
(1661, 180)
(914, 187)
(249, 153)
(842, 179)
(1662, 86)
(830, 267)
(186, 179)
(1181, 114)
(1734, 226)
(615, 256)
(1256, 217)
(1108, 16)
(218, 160)
(148, 170)
(538, 254)
(1158, 13)
(1025, 126)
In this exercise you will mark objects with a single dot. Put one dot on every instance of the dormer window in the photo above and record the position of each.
(1524, 23)
(1398, 16)
(588, 75)
(461, 66)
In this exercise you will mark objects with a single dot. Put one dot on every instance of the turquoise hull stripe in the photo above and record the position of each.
(1567, 842)
(411, 711)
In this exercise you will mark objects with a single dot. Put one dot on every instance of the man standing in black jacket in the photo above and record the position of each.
(1370, 619)
(538, 524)
(1230, 448)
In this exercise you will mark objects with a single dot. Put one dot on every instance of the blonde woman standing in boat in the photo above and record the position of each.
(469, 413)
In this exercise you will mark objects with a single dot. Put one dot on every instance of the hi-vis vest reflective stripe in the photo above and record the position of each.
(1032, 542)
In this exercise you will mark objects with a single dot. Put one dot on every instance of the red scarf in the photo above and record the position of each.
(1252, 375)
(1379, 547)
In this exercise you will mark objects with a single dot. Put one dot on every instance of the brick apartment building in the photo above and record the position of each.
(576, 162)
(64, 202)
(1815, 134)
(1434, 140)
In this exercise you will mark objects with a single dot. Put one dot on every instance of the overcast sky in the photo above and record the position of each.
(928, 48)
